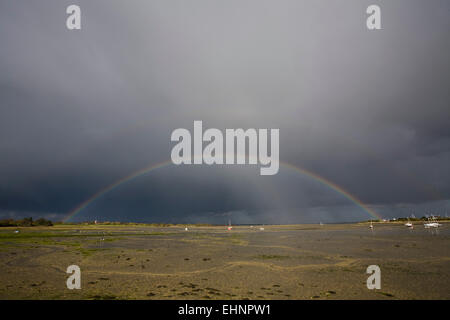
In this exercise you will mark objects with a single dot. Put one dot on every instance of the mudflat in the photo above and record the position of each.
(279, 262)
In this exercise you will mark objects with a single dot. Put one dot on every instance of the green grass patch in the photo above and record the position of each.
(29, 235)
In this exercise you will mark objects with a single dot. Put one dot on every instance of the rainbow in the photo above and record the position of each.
(336, 188)
(113, 186)
(159, 165)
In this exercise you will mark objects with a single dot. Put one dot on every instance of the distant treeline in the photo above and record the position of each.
(29, 222)
(26, 222)
(118, 223)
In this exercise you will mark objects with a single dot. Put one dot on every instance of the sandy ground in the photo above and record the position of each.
(280, 262)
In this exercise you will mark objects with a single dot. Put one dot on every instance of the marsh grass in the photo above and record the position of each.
(35, 234)
(87, 252)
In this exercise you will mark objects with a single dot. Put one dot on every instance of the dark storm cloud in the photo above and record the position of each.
(368, 110)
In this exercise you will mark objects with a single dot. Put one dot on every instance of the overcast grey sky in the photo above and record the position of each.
(366, 110)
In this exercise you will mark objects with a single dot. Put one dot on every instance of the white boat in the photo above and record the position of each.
(409, 224)
(432, 223)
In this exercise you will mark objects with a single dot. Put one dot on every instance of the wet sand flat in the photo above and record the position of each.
(279, 262)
